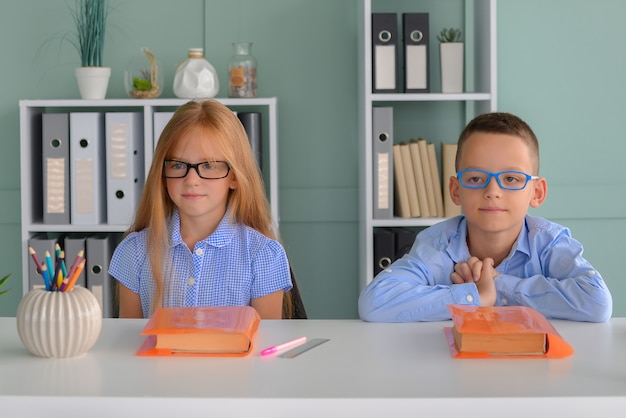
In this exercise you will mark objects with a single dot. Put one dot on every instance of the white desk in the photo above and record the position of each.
(365, 370)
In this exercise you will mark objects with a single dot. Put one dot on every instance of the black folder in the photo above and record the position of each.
(384, 249)
(416, 58)
(251, 122)
(384, 52)
(404, 239)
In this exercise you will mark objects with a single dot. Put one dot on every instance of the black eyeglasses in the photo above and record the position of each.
(173, 169)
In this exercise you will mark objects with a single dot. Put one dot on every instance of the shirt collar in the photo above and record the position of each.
(459, 251)
(220, 237)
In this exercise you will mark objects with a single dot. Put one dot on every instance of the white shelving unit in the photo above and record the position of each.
(31, 155)
(480, 79)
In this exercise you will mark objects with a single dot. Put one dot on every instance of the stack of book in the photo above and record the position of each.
(503, 331)
(419, 190)
(406, 176)
(202, 330)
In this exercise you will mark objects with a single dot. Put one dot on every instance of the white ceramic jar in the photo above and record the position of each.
(196, 78)
(59, 324)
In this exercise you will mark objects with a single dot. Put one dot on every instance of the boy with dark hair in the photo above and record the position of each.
(495, 253)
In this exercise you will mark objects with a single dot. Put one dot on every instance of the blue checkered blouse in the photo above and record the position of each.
(230, 267)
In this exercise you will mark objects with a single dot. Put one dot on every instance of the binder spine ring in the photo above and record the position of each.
(416, 35)
(385, 36)
(384, 262)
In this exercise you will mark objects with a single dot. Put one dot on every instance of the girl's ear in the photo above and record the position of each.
(233, 183)
(539, 193)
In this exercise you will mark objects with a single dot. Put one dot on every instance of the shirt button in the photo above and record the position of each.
(199, 251)
(388, 270)
(469, 298)
(191, 281)
(504, 301)
(591, 272)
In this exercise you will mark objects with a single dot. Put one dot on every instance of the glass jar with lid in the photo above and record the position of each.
(242, 71)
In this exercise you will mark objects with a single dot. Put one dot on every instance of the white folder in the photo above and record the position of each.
(160, 120)
(124, 165)
(87, 168)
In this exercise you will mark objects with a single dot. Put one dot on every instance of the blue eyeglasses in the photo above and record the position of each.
(474, 178)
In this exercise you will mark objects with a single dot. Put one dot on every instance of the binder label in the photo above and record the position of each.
(85, 194)
(118, 151)
(383, 179)
(55, 196)
(416, 60)
(385, 71)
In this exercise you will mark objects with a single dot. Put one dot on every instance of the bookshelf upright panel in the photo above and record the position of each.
(439, 116)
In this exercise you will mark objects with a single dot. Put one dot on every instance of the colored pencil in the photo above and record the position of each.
(73, 279)
(79, 256)
(63, 268)
(46, 276)
(58, 275)
(49, 263)
(33, 254)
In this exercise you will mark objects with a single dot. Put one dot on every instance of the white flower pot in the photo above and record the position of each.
(451, 54)
(59, 324)
(93, 82)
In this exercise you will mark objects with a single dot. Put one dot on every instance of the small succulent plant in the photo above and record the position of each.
(450, 35)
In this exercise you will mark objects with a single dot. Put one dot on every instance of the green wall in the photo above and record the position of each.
(559, 67)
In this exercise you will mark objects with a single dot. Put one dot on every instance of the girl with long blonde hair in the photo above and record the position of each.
(202, 234)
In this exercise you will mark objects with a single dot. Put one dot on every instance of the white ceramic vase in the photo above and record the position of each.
(196, 78)
(93, 82)
(59, 324)
(451, 54)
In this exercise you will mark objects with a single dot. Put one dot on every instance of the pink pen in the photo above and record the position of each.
(289, 344)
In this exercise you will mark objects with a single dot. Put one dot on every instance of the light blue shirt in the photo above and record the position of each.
(228, 268)
(544, 270)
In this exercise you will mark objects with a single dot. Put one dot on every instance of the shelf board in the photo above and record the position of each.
(76, 228)
(169, 102)
(405, 222)
(429, 97)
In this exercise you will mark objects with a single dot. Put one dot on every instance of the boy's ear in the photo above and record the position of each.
(540, 191)
(453, 189)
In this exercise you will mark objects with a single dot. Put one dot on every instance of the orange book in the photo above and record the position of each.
(203, 330)
(503, 331)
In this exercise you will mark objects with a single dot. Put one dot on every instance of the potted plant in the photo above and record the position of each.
(142, 77)
(2, 282)
(90, 18)
(451, 59)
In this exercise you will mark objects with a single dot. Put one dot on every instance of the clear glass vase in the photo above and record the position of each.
(141, 78)
(242, 71)
(196, 78)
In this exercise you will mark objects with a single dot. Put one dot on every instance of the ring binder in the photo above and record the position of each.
(384, 41)
(416, 71)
